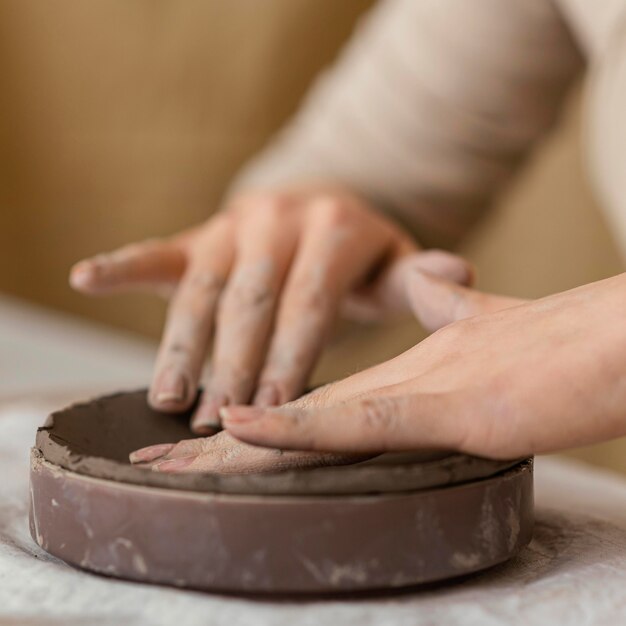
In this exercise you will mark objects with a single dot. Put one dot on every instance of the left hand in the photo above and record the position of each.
(224, 454)
(513, 379)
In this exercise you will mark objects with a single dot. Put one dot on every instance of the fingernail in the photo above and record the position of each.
(174, 465)
(150, 453)
(206, 417)
(241, 414)
(172, 387)
(267, 395)
(206, 428)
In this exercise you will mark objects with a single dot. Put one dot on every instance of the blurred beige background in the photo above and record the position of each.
(125, 120)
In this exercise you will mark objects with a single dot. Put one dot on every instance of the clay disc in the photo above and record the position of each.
(390, 523)
(95, 438)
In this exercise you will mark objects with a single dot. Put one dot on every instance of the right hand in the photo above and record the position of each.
(269, 274)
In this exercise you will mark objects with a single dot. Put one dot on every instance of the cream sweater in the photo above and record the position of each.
(433, 104)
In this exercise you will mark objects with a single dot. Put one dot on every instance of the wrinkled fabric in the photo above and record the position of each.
(434, 104)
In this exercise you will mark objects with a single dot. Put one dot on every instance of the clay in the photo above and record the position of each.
(95, 438)
(279, 544)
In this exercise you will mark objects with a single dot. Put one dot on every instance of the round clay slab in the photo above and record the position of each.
(95, 438)
(289, 532)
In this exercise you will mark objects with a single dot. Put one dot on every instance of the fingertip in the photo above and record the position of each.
(170, 393)
(166, 404)
(82, 276)
(446, 266)
(205, 426)
(150, 453)
(205, 430)
(206, 419)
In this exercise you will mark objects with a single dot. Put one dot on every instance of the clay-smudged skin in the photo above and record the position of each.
(95, 439)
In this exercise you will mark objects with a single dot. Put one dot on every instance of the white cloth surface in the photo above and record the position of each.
(574, 571)
(42, 352)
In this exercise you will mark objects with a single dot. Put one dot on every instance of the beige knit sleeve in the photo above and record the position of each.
(429, 109)
(601, 29)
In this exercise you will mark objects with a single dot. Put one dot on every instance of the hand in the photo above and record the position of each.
(223, 454)
(269, 274)
(512, 379)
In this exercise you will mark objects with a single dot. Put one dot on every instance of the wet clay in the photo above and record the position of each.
(95, 438)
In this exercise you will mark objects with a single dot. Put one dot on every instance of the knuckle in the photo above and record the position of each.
(205, 281)
(177, 348)
(198, 241)
(189, 447)
(378, 414)
(231, 378)
(453, 334)
(313, 297)
(253, 286)
(247, 295)
(296, 419)
(275, 202)
(274, 206)
(331, 211)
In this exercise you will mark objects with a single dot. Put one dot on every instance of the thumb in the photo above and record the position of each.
(438, 302)
(370, 425)
(387, 295)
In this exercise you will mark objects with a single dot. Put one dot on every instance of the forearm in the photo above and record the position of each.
(429, 109)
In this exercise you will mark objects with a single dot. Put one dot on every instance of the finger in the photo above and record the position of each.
(266, 239)
(445, 265)
(378, 424)
(187, 452)
(405, 367)
(332, 257)
(151, 265)
(222, 454)
(394, 371)
(437, 299)
(387, 295)
(190, 319)
(187, 448)
(150, 453)
(437, 302)
(205, 420)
